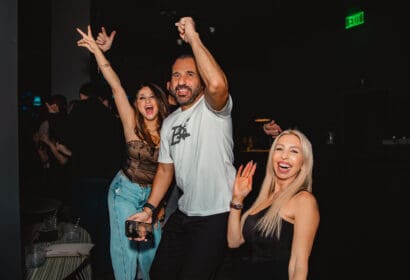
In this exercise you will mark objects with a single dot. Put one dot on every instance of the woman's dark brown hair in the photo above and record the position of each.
(163, 111)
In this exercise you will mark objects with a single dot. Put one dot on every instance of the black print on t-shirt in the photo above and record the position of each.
(179, 132)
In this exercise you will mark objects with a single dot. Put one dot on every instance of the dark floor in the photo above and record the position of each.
(108, 276)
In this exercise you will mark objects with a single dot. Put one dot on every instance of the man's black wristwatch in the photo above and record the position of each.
(153, 210)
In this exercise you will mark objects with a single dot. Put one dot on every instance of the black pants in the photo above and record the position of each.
(89, 203)
(190, 247)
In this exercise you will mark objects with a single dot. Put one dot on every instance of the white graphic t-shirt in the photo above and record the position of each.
(198, 141)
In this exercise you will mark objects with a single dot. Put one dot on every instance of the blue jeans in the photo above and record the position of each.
(124, 199)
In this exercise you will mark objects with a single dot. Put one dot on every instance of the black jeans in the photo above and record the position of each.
(191, 247)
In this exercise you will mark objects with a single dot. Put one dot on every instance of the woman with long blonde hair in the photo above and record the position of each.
(278, 230)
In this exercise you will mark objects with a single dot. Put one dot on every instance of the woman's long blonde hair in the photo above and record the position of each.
(271, 222)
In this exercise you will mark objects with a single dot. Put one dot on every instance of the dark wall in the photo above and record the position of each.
(293, 62)
(301, 78)
(10, 258)
(290, 61)
(34, 18)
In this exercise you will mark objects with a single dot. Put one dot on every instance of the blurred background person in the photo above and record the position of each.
(95, 140)
(51, 149)
(272, 129)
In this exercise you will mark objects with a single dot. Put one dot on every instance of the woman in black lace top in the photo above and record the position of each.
(131, 186)
(278, 231)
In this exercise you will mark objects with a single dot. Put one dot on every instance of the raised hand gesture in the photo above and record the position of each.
(243, 182)
(186, 28)
(63, 149)
(87, 41)
(45, 139)
(104, 41)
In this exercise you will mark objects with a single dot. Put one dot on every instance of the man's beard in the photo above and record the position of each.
(195, 94)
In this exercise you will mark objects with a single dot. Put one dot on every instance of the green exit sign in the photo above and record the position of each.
(354, 20)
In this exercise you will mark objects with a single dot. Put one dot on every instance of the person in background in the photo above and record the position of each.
(174, 192)
(104, 95)
(95, 141)
(272, 129)
(131, 186)
(52, 129)
(277, 233)
(55, 123)
(51, 150)
(173, 104)
(196, 146)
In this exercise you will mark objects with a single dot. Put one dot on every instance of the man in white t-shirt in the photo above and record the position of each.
(196, 145)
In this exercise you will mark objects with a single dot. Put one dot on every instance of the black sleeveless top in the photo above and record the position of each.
(265, 257)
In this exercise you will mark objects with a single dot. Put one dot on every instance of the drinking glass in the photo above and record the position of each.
(35, 255)
(71, 233)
